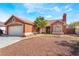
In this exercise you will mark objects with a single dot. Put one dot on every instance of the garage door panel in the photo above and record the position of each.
(16, 30)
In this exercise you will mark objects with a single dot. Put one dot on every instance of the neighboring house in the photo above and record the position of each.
(56, 26)
(77, 29)
(17, 26)
(2, 27)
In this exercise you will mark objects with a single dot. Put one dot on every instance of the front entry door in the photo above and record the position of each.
(48, 29)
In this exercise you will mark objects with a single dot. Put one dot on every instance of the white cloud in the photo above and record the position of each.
(69, 9)
(29, 7)
(37, 7)
(67, 6)
(4, 16)
(48, 16)
(65, 9)
(57, 9)
(33, 7)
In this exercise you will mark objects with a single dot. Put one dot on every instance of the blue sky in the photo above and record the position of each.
(32, 10)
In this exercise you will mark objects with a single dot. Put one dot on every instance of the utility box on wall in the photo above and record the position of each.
(77, 29)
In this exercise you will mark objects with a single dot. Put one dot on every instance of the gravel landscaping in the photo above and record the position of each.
(44, 45)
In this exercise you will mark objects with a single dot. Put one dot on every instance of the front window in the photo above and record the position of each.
(57, 28)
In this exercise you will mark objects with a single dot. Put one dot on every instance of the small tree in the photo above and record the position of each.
(40, 23)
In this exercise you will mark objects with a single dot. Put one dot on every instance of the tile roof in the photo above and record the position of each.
(24, 20)
(21, 19)
(52, 21)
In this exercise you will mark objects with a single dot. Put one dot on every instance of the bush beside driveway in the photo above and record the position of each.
(44, 45)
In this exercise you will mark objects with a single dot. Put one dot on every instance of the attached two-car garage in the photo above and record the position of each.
(18, 27)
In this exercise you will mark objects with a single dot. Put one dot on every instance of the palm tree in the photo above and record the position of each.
(40, 23)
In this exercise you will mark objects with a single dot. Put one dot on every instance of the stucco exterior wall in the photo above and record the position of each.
(28, 29)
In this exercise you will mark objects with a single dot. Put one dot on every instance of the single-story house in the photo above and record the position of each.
(18, 26)
(56, 26)
(2, 27)
(23, 27)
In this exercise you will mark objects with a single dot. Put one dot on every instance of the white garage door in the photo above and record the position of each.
(16, 30)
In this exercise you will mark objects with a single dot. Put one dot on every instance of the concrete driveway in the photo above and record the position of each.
(8, 40)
